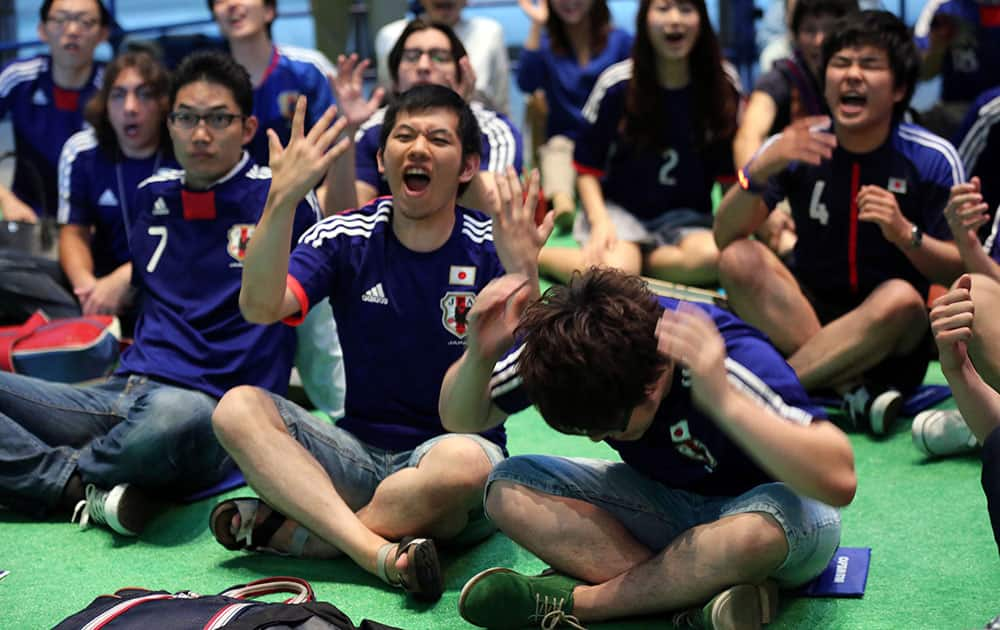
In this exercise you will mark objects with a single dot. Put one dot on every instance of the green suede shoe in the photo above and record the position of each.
(501, 598)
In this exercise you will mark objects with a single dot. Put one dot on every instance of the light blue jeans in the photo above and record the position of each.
(356, 468)
(656, 514)
(126, 429)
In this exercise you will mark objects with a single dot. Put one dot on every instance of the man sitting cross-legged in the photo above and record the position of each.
(401, 274)
(148, 427)
(727, 476)
(850, 311)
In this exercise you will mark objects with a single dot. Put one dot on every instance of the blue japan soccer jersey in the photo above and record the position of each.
(43, 117)
(100, 192)
(648, 181)
(293, 71)
(683, 447)
(188, 249)
(401, 314)
(840, 254)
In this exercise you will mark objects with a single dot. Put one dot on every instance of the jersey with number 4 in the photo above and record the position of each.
(401, 315)
(188, 249)
(645, 181)
(841, 254)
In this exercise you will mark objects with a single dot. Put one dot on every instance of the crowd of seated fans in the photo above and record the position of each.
(262, 206)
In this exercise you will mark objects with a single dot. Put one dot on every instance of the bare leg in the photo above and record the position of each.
(431, 499)
(695, 260)
(582, 540)
(891, 321)
(561, 262)
(764, 293)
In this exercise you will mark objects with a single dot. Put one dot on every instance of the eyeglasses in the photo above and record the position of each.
(215, 120)
(86, 21)
(437, 55)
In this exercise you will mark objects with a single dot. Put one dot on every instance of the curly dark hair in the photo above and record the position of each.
(716, 99)
(590, 352)
(153, 74)
(599, 20)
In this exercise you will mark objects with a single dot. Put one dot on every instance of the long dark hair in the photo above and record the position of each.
(716, 99)
(599, 19)
(153, 74)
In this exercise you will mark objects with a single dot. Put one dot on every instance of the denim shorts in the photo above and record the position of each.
(357, 468)
(670, 228)
(656, 514)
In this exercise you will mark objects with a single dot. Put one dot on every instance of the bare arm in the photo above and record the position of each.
(758, 117)
(966, 212)
(815, 460)
(341, 192)
(13, 209)
(951, 320)
(603, 237)
(74, 256)
(805, 140)
(295, 170)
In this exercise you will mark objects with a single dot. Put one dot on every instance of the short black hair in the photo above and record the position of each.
(213, 66)
(883, 30)
(833, 8)
(420, 24)
(424, 97)
(267, 3)
(43, 11)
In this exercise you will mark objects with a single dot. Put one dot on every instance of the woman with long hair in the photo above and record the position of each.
(660, 134)
(571, 42)
(99, 171)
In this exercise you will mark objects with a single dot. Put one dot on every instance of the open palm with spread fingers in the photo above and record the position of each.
(297, 168)
(348, 88)
(518, 239)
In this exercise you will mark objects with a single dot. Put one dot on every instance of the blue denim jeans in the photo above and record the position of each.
(656, 514)
(126, 429)
(357, 468)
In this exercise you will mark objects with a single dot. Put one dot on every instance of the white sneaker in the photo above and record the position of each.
(941, 432)
(124, 508)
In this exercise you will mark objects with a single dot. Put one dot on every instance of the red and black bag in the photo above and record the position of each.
(69, 350)
(141, 609)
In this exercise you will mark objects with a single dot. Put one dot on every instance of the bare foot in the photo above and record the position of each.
(282, 539)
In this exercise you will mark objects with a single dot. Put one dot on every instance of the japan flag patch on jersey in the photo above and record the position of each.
(237, 241)
(455, 307)
(462, 276)
(690, 446)
(897, 185)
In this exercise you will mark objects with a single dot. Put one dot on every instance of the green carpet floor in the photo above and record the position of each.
(934, 564)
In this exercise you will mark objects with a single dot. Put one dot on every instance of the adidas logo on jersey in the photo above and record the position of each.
(375, 295)
(38, 98)
(107, 198)
(160, 207)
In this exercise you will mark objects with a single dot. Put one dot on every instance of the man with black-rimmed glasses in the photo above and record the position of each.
(44, 97)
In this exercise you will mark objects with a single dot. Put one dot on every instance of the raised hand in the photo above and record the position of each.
(348, 88)
(297, 168)
(537, 12)
(966, 209)
(495, 315)
(952, 315)
(689, 336)
(878, 205)
(466, 87)
(805, 140)
(518, 240)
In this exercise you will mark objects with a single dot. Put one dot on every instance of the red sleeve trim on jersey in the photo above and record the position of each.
(303, 299)
(583, 169)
